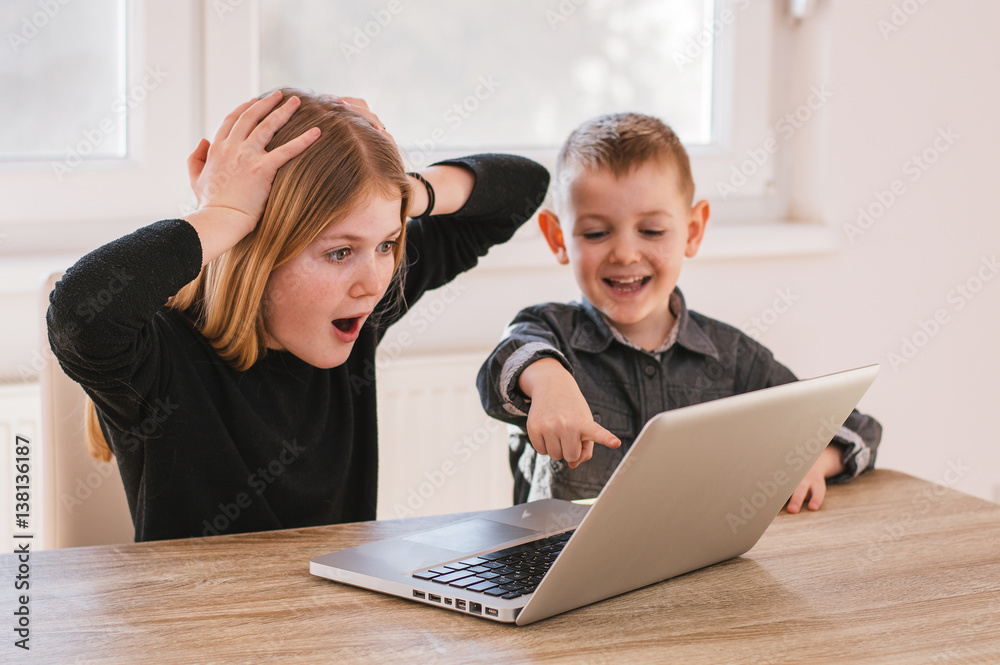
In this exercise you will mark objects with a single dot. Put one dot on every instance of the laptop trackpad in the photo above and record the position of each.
(471, 535)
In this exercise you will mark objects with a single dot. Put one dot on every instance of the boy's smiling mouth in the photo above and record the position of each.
(625, 285)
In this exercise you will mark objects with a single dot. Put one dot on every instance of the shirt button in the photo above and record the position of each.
(650, 370)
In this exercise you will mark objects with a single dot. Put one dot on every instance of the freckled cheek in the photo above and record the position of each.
(386, 269)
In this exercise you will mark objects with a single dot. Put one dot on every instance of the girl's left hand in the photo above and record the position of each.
(360, 107)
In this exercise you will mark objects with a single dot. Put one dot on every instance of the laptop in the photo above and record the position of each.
(699, 485)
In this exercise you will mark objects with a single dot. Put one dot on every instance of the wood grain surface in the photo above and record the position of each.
(893, 569)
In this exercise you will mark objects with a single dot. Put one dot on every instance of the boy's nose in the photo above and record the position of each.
(624, 251)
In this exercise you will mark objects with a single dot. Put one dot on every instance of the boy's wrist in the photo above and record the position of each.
(541, 374)
(832, 457)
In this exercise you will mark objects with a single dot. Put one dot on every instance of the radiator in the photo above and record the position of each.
(20, 415)
(438, 451)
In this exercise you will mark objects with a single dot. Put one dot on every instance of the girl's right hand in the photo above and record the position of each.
(231, 177)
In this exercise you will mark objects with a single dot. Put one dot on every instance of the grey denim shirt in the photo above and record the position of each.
(701, 360)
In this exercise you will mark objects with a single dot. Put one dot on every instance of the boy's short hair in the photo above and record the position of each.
(621, 142)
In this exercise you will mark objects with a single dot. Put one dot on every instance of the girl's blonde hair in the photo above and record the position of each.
(348, 166)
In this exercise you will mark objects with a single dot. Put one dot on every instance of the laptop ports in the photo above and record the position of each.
(490, 612)
(434, 599)
(459, 603)
(419, 594)
(475, 608)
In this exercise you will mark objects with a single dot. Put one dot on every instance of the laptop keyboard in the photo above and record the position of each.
(507, 573)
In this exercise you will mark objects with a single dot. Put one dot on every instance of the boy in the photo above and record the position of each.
(572, 375)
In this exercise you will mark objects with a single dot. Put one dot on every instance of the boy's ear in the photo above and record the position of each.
(696, 227)
(548, 221)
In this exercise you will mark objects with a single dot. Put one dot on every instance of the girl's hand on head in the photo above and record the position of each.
(234, 172)
(360, 107)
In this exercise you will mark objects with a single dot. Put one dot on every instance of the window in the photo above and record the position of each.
(66, 61)
(452, 76)
(102, 113)
(517, 75)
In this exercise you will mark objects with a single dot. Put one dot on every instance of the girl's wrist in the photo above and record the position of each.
(219, 228)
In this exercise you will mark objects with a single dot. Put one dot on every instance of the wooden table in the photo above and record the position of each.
(892, 569)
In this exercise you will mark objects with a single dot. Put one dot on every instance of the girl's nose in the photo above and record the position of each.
(368, 280)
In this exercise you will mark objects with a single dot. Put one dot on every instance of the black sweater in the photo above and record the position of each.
(205, 449)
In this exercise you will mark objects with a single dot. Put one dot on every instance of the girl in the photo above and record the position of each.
(232, 370)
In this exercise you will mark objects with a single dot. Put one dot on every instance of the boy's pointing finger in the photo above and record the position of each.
(594, 432)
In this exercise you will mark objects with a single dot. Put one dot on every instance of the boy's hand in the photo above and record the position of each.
(813, 486)
(560, 423)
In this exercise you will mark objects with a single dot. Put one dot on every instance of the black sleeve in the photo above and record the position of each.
(100, 316)
(507, 191)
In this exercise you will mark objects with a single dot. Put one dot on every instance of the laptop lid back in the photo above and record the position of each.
(699, 486)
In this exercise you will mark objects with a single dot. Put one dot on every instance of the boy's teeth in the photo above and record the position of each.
(626, 283)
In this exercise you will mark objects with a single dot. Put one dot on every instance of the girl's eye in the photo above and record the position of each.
(594, 235)
(652, 233)
(339, 254)
(388, 246)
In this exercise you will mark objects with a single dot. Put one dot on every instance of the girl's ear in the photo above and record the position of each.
(696, 227)
(548, 221)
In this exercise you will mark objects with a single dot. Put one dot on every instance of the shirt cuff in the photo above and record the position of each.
(855, 458)
(512, 399)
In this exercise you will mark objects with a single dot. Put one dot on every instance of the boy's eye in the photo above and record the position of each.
(652, 233)
(594, 235)
(339, 254)
(387, 246)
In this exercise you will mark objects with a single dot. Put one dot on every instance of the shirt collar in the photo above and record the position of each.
(686, 331)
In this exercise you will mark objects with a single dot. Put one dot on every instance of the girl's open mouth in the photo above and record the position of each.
(347, 329)
(626, 285)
